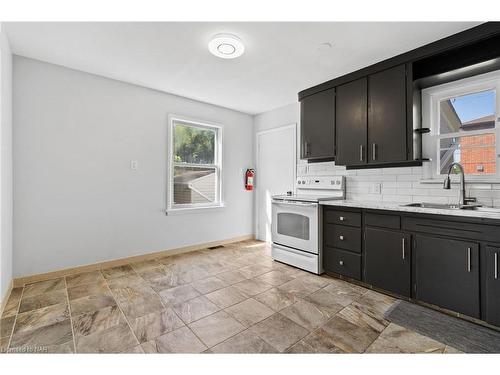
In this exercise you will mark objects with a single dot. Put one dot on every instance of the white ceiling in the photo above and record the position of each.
(280, 58)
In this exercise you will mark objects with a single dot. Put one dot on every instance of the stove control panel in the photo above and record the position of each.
(321, 182)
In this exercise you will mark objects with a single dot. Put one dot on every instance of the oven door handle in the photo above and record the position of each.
(294, 251)
(290, 203)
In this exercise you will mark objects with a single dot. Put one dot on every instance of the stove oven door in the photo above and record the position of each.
(295, 224)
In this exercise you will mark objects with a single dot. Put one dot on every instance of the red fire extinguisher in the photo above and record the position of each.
(249, 175)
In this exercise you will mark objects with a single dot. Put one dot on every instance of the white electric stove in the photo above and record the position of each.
(297, 221)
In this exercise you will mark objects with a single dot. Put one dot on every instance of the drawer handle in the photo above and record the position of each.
(341, 218)
(341, 262)
(496, 266)
(341, 237)
(468, 259)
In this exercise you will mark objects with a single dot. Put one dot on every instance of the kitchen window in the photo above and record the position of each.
(463, 119)
(195, 165)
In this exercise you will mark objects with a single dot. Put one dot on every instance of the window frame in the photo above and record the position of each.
(200, 124)
(431, 98)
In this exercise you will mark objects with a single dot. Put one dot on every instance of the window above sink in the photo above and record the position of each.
(463, 118)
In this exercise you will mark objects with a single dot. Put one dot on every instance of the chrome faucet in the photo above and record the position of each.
(463, 200)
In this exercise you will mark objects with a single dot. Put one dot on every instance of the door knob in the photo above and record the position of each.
(341, 237)
(341, 262)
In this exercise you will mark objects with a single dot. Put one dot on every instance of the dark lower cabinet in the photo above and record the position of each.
(387, 260)
(491, 294)
(342, 262)
(317, 126)
(451, 263)
(447, 273)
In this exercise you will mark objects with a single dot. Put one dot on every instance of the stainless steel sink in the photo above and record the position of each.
(443, 206)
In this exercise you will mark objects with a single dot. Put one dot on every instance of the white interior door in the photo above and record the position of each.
(275, 174)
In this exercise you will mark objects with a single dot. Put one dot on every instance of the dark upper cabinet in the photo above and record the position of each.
(387, 260)
(447, 273)
(351, 123)
(371, 119)
(491, 294)
(387, 113)
(317, 126)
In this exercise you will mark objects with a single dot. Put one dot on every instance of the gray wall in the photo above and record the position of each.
(6, 166)
(76, 199)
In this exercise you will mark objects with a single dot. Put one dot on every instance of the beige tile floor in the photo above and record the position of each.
(233, 299)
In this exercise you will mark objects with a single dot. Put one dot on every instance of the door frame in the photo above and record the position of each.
(258, 165)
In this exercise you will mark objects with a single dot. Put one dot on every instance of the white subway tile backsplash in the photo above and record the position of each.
(365, 197)
(417, 192)
(369, 172)
(397, 198)
(430, 199)
(398, 170)
(408, 177)
(401, 185)
(389, 191)
(417, 170)
(487, 202)
(479, 186)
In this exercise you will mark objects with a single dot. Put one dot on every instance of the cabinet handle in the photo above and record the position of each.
(403, 248)
(496, 266)
(306, 147)
(361, 153)
(374, 151)
(341, 237)
(341, 218)
(468, 259)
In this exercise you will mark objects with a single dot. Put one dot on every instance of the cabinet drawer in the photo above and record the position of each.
(352, 219)
(342, 262)
(343, 237)
(383, 221)
(457, 229)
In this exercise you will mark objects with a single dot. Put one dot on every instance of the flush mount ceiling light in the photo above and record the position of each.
(226, 46)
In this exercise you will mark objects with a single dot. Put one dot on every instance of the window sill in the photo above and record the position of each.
(193, 210)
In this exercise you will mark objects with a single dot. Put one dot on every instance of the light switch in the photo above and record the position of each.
(134, 164)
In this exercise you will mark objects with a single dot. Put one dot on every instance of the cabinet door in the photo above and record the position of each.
(387, 260)
(351, 123)
(447, 273)
(317, 126)
(491, 294)
(387, 126)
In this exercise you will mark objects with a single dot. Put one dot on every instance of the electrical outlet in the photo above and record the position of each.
(134, 164)
(376, 188)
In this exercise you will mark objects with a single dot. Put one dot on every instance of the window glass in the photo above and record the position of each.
(476, 153)
(193, 145)
(469, 112)
(194, 185)
(195, 165)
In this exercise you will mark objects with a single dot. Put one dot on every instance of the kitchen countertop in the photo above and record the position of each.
(483, 212)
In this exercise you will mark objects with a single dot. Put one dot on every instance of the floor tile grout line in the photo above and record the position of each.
(119, 307)
(279, 312)
(171, 308)
(220, 309)
(15, 319)
(70, 316)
